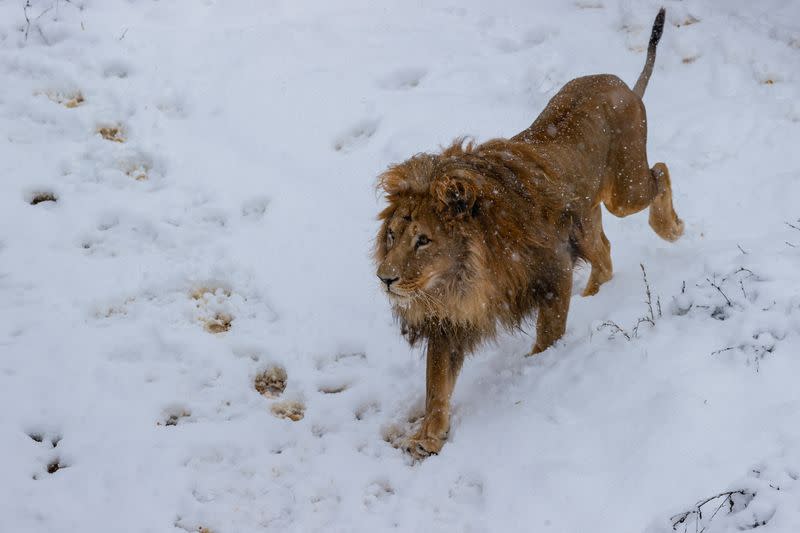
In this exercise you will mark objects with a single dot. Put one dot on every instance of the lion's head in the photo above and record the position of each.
(422, 249)
(463, 233)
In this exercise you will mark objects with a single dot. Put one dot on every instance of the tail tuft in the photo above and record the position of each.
(658, 29)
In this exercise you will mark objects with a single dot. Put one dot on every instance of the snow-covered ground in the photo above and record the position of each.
(230, 232)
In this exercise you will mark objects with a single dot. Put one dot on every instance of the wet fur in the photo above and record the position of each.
(508, 219)
(508, 241)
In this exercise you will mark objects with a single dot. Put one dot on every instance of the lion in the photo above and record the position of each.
(479, 236)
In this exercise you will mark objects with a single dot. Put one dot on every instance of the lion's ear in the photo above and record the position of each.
(459, 195)
(413, 175)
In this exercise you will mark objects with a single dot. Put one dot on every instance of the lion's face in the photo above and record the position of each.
(417, 255)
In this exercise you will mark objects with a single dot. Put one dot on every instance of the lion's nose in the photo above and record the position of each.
(387, 281)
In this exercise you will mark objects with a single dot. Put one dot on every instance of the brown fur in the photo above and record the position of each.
(480, 236)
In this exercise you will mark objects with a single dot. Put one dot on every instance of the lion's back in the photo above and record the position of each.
(583, 109)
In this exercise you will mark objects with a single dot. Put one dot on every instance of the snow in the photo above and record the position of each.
(230, 233)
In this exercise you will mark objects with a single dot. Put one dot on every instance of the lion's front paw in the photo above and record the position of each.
(421, 446)
(430, 437)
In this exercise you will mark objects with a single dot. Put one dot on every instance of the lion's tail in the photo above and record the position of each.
(655, 36)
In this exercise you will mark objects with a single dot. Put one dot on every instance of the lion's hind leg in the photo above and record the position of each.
(594, 246)
(635, 187)
(663, 219)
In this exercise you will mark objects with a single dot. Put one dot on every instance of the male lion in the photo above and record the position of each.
(481, 235)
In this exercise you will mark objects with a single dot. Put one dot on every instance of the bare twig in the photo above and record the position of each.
(649, 319)
(729, 348)
(649, 301)
(792, 226)
(730, 304)
(639, 322)
(41, 34)
(615, 328)
(697, 511)
(741, 249)
(40, 15)
(25, 9)
(123, 34)
(27, 18)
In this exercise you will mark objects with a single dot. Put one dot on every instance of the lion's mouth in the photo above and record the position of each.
(404, 295)
(396, 295)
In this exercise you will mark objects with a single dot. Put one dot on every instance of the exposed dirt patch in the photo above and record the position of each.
(139, 173)
(290, 410)
(43, 196)
(220, 323)
(54, 466)
(271, 382)
(74, 101)
(69, 100)
(112, 133)
(215, 314)
(174, 418)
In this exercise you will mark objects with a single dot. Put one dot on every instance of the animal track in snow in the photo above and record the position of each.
(254, 208)
(54, 463)
(43, 438)
(215, 308)
(367, 409)
(333, 387)
(403, 79)
(114, 133)
(114, 310)
(139, 172)
(290, 410)
(357, 136)
(174, 415)
(467, 490)
(271, 382)
(253, 353)
(219, 323)
(378, 492)
(39, 197)
(529, 39)
(115, 235)
(341, 358)
(69, 100)
(116, 69)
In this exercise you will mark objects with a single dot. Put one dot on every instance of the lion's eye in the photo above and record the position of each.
(389, 238)
(422, 240)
